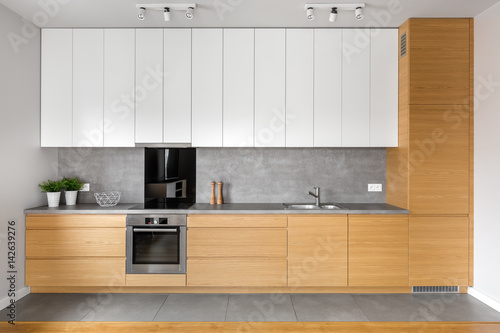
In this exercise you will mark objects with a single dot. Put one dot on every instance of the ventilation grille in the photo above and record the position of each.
(430, 289)
(403, 45)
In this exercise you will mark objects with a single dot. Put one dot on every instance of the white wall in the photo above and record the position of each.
(487, 154)
(23, 164)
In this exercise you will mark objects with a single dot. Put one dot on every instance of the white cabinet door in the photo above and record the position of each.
(356, 88)
(207, 88)
(177, 86)
(119, 92)
(149, 86)
(327, 88)
(270, 117)
(57, 88)
(88, 87)
(238, 122)
(299, 87)
(384, 88)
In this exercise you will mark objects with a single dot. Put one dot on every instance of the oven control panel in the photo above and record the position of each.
(157, 219)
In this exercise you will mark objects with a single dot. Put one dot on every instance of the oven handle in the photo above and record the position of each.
(154, 230)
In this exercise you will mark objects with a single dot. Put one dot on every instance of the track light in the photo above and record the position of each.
(310, 13)
(189, 13)
(142, 13)
(166, 14)
(359, 13)
(333, 15)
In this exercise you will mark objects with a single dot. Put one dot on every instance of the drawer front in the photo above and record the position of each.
(56, 221)
(236, 242)
(75, 242)
(232, 272)
(155, 280)
(107, 272)
(237, 221)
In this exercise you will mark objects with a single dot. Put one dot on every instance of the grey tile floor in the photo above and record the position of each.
(252, 307)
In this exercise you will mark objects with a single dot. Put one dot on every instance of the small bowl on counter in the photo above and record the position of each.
(108, 199)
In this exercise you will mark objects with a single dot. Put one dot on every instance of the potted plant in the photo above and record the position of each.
(53, 189)
(71, 188)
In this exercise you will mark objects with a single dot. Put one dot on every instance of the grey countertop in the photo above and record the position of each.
(230, 208)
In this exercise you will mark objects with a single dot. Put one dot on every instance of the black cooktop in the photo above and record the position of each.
(163, 205)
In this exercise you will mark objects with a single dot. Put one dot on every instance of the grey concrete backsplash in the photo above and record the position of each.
(275, 175)
(252, 175)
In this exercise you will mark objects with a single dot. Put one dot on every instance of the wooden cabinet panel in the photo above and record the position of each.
(56, 221)
(87, 242)
(232, 272)
(237, 221)
(75, 272)
(439, 251)
(155, 280)
(236, 242)
(378, 250)
(317, 250)
(439, 160)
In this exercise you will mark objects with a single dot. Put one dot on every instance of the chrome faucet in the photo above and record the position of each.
(316, 196)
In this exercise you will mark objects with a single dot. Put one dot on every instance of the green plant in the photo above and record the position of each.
(51, 186)
(72, 184)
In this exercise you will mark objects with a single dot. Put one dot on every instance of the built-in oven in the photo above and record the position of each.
(156, 244)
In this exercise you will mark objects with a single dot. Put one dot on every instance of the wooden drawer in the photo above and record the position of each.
(109, 242)
(57, 221)
(236, 242)
(232, 272)
(155, 280)
(237, 221)
(75, 272)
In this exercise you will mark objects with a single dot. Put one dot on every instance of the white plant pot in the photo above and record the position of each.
(53, 198)
(70, 197)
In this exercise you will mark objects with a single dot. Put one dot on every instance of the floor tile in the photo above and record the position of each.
(193, 307)
(260, 307)
(327, 307)
(393, 307)
(127, 307)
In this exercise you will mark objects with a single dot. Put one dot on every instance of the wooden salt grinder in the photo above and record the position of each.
(220, 199)
(212, 197)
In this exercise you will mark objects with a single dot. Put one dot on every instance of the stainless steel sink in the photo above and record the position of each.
(312, 207)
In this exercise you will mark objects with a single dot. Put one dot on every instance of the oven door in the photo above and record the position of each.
(156, 249)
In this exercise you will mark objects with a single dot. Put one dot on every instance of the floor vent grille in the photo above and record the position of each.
(431, 289)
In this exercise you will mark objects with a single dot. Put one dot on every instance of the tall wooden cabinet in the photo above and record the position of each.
(430, 173)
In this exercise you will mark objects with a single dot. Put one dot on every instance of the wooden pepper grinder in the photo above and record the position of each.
(212, 197)
(220, 199)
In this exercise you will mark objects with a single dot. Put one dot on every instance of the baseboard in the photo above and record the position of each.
(4, 302)
(484, 298)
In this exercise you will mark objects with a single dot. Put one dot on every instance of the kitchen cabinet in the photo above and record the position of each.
(155, 280)
(317, 250)
(75, 250)
(378, 250)
(207, 88)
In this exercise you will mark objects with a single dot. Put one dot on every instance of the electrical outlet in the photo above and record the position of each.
(86, 187)
(374, 187)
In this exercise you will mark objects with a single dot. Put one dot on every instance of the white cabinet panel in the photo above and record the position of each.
(270, 118)
(207, 88)
(238, 110)
(384, 88)
(299, 87)
(149, 86)
(356, 88)
(119, 93)
(177, 86)
(327, 88)
(56, 88)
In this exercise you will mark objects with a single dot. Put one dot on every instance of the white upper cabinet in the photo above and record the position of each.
(57, 88)
(119, 83)
(327, 88)
(238, 96)
(207, 88)
(384, 88)
(355, 88)
(299, 87)
(177, 86)
(270, 117)
(149, 86)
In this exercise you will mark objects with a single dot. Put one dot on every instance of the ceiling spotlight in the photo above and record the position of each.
(142, 13)
(359, 13)
(166, 14)
(333, 15)
(310, 13)
(189, 13)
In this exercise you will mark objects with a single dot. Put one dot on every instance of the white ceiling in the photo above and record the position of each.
(236, 13)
